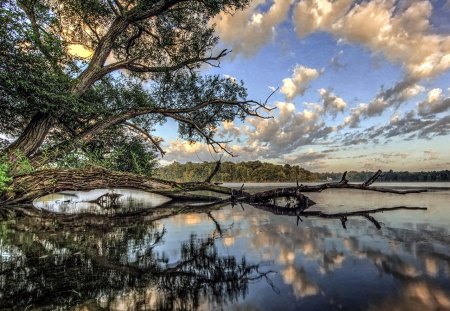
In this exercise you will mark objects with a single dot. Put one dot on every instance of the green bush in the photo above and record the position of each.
(5, 178)
(126, 154)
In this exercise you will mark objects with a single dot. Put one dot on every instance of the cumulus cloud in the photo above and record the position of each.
(404, 36)
(314, 15)
(178, 150)
(410, 126)
(301, 78)
(288, 130)
(332, 104)
(182, 151)
(440, 127)
(229, 129)
(435, 103)
(395, 96)
(248, 30)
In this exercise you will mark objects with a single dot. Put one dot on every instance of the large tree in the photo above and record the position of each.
(75, 69)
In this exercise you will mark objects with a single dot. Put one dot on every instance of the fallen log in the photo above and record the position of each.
(26, 188)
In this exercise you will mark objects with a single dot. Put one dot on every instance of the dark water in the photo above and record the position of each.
(232, 258)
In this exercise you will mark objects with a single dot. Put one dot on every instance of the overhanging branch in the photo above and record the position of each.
(155, 141)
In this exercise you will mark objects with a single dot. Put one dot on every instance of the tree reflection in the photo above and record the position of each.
(45, 267)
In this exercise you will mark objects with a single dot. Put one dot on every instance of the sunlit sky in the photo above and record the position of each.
(361, 85)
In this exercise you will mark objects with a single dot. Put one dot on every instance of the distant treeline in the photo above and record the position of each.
(257, 171)
(390, 176)
(252, 171)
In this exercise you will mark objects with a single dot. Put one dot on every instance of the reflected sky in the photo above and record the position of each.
(78, 202)
(316, 263)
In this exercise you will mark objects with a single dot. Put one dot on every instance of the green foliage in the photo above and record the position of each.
(30, 79)
(160, 53)
(256, 171)
(252, 171)
(4, 175)
(126, 154)
(21, 165)
(134, 157)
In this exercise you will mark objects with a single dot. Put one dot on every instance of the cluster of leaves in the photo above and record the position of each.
(30, 78)
(252, 171)
(115, 152)
(7, 169)
(160, 53)
(4, 175)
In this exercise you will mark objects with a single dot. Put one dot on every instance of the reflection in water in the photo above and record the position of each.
(117, 269)
(115, 201)
(174, 258)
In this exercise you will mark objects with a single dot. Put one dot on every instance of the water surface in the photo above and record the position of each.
(234, 258)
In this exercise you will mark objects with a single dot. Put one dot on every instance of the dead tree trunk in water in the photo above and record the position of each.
(215, 171)
(28, 187)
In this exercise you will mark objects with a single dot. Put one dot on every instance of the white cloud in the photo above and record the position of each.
(332, 104)
(183, 151)
(313, 15)
(301, 78)
(395, 96)
(231, 78)
(229, 129)
(404, 36)
(288, 130)
(435, 103)
(248, 30)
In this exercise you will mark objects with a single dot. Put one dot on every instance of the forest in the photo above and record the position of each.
(257, 171)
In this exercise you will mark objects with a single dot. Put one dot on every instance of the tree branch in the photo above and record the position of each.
(215, 171)
(155, 141)
(131, 65)
(209, 140)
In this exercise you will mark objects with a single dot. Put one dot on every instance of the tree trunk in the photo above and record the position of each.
(26, 188)
(32, 136)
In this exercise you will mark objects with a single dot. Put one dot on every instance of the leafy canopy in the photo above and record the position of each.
(95, 65)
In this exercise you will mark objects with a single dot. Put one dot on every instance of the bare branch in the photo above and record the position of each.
(372, 179)
(209, 140)
(116, 7)
(155, 141)
(140, 13)
(136, 67)
(215, 171)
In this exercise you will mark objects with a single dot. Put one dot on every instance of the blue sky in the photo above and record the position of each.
(361, 85)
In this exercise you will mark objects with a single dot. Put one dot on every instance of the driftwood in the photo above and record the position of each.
(295, 203)
(215, 171)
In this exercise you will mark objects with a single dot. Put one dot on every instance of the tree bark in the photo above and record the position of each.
(26, 188)
(32, 136)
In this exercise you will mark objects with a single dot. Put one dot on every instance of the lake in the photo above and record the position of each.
(231, 257)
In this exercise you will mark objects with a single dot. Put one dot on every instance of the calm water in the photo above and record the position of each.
(232, 258)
